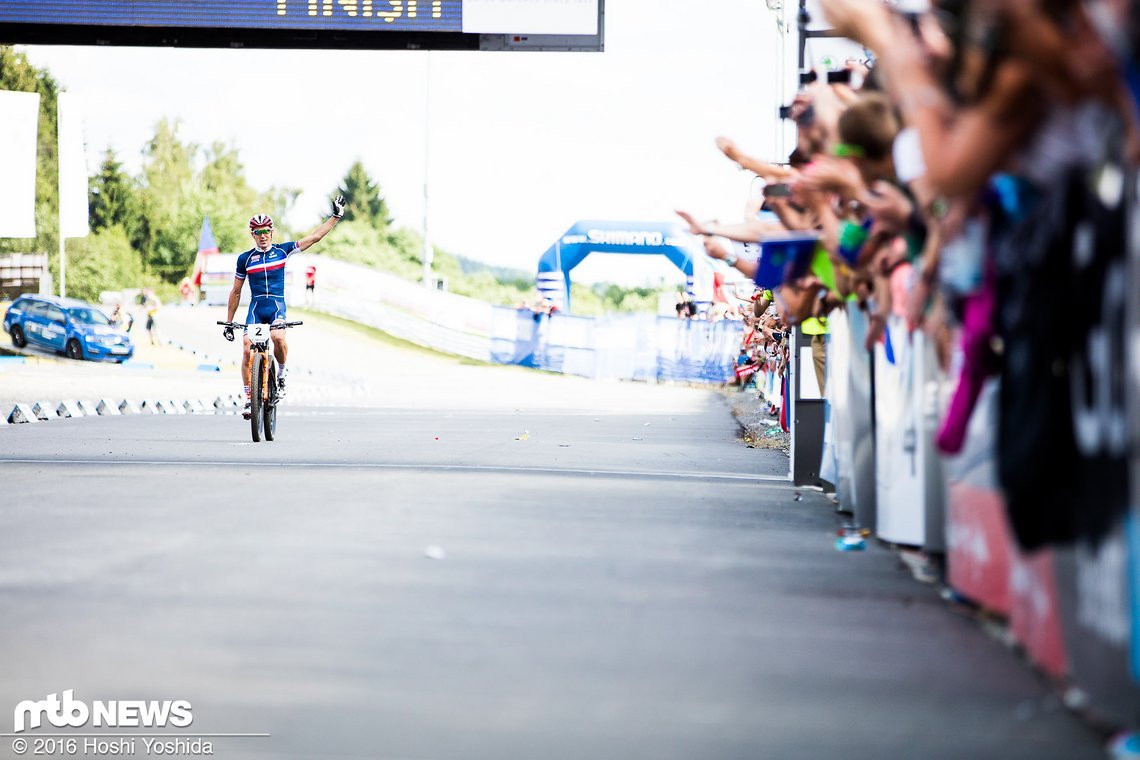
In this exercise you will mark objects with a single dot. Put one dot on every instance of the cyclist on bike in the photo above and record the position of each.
(263, 266)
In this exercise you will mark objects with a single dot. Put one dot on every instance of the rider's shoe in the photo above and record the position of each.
(280, 387)
(246, 411)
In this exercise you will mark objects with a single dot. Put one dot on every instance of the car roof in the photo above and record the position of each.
(65, 303)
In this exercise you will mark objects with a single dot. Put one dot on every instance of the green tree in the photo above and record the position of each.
(174, 198)
(363, 200)
(358, 242)
(111, 196)
(224, 194)
(166, 239)
(104, 260)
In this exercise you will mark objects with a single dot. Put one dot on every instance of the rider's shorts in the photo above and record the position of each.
(266, 310)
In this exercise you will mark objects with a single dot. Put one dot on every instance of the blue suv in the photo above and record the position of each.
(75, 328)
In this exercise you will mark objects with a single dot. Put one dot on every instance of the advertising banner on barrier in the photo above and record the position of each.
(1096, 615)
(900, 441)
(1064, 434)
(839, 417)
(1133, 529)
(908, 470)
(570, 344)
(1035, 611)
(979, 545)
(1132, 396)
(696, 351)
(514, 337)
(833, 470)
(855, 448)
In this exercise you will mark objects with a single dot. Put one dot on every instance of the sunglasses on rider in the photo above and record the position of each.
(265, 231)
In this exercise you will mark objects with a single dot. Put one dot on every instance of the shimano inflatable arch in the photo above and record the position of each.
(657, 238)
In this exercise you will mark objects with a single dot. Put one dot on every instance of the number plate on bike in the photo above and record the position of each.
(259, 333)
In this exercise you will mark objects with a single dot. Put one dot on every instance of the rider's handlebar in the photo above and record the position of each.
(280, 326)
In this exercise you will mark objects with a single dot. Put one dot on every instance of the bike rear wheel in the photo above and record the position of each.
(257, 387)
(270, 426)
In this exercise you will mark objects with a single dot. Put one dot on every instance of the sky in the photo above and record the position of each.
(517, 146)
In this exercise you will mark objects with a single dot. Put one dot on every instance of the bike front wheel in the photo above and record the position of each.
(270, 406)
(256, 403)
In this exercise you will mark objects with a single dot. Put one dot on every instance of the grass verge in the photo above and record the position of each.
(376, 334)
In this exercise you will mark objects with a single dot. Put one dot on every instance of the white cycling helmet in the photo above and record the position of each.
(260, 222)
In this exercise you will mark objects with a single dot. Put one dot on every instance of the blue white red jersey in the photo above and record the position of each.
(265, 270)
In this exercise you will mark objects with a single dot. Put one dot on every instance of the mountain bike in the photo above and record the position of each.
(262, 378)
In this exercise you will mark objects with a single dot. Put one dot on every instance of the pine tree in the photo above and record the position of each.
(167, 200)
(112, 196)
(363, 200)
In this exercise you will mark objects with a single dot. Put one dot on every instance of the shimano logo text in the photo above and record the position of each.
(624, 237)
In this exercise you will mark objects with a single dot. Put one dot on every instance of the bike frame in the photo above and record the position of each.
(263, 413)
(262, 347)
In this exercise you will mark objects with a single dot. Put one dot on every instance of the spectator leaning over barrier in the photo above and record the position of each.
(874, 209)
(1024, 125)
(989, 117)
(761, 301)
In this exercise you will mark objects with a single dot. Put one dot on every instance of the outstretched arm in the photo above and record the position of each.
(315, 236)
(716, 251)
(770, 172)
(745, 232)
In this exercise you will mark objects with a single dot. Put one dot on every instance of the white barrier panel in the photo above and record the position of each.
(855, 452)
(809, 382)
(907, 470)
(838, 396)
(571, 345)
(696, 350)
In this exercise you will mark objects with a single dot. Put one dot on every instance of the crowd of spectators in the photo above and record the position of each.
(727, 304)
(764, 345)
(540, 307)
(945, 181)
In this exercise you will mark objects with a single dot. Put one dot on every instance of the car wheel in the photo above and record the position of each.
(74, 350)
(18, 339)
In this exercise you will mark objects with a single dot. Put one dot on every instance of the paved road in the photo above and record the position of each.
(615, 576)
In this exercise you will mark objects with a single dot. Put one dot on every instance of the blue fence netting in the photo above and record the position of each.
(624, 347)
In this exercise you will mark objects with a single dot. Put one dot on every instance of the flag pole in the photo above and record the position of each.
(59, 209)
(62, 261)
(428, 253)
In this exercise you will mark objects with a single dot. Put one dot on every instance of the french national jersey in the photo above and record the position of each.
(265, 270)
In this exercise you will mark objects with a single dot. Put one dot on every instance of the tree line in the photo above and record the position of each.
(145, 227)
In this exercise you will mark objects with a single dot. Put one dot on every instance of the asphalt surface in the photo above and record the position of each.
(484, 564)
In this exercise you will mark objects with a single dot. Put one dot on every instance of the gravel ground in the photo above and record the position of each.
(759, 430)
